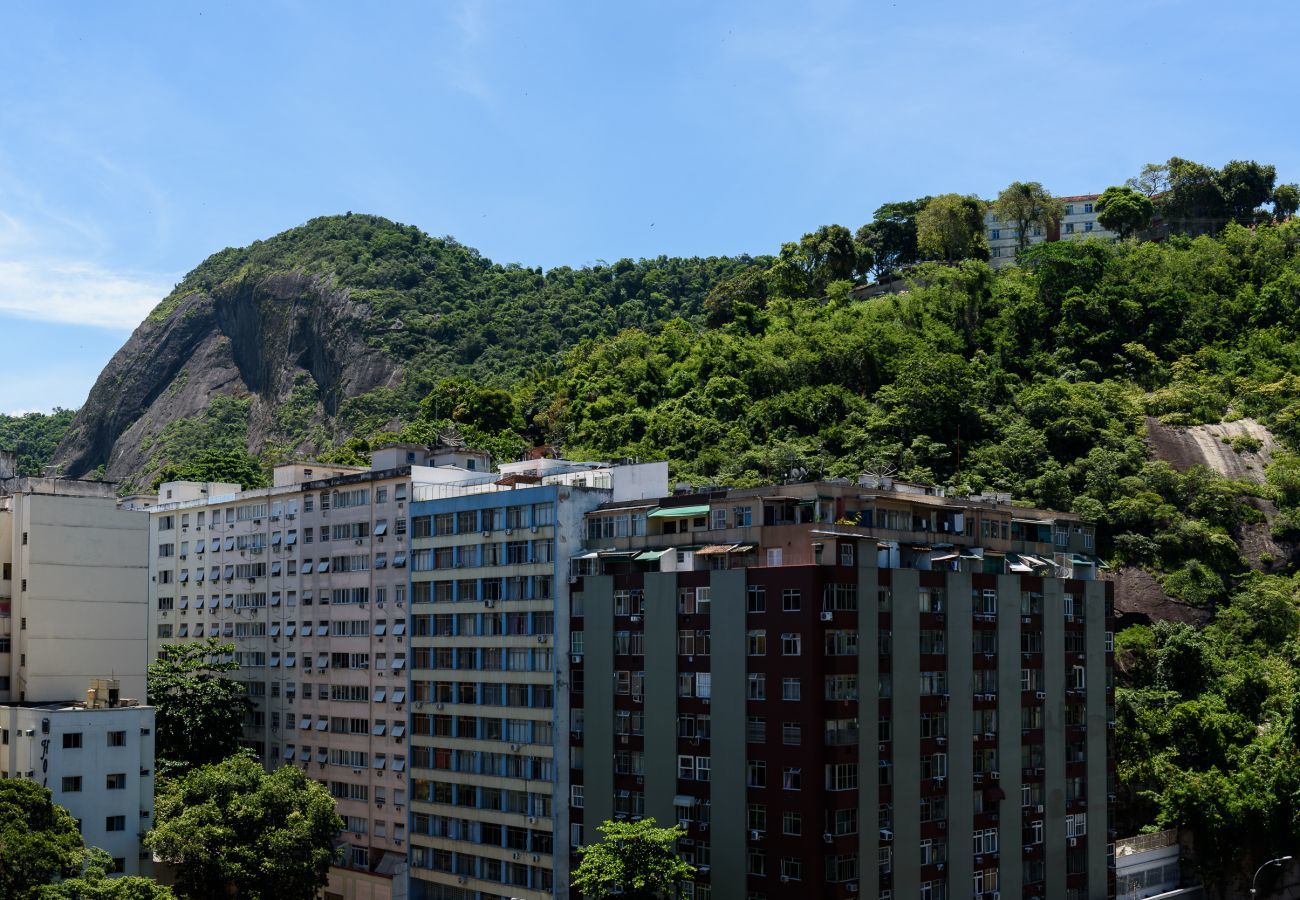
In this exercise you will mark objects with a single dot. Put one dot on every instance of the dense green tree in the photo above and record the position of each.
(94, 883)
(637, 860)
(1245, 186)
(805, 268)
(951, 228)
(1124, 210)
(1025, 204)
(232, 829)
(199, 708)
(39, 841)
(33, 436)
(231, 466)
(890, 237)
(1286, 200)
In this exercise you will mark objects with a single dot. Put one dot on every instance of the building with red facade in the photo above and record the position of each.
(847, 690)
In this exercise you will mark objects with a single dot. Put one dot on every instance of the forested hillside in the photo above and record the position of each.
(33, 436)
(1041, 380)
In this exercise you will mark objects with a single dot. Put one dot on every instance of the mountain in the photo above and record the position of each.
(340, 325)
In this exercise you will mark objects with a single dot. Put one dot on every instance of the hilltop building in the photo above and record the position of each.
(1079, 221)
(847, 690)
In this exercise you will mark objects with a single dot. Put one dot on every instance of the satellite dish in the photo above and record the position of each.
(878, 472)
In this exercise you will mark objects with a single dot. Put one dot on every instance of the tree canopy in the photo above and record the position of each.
(199, 710)
(1026, 204)
(1124, 210)
(951, 228)
(232, 829)
(637, 860)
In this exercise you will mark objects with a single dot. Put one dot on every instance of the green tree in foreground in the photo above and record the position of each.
(1025, 204)
(39, 841)
(94, 884)
(1286, 200)
(234, 830)
(1124, 210)
(634, 859)
(199, 713)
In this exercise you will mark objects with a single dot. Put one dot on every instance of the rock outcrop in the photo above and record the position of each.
(255, 337)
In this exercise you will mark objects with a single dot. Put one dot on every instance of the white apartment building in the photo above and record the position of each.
(96, 757)
(74, 581)
(308, 579)
(491, 755)
(1078, 221)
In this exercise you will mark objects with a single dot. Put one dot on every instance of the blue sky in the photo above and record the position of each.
(136, 138)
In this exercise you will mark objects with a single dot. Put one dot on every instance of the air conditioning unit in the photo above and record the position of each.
(851, 887)
(995, 775)
(573, 579)
(514, 748)
(827, 837)
(534, 529)
(1074, 842)
(532, 820)
(756, 835)
(785, 879)
(1040, 695)
(510, 531)
(487, 532)
(827, 615)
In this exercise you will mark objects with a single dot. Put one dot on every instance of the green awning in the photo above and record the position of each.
(1080, 559)
(650, 555)
(1098, 561)
(679, 512)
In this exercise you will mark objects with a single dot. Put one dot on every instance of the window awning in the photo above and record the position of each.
(399, 729)
(947, 557)
(276, 537)
(289, 752)
(399, 561)
(683, 800)
(1097, 561)
(290, 661)
(399, 696)
(380, 628)
(399, 627)
(379, 729)
(714, 549)
(1079, 559)
(679, 512)
(380, 693)
(381, 529)
(213, 603)
(322, 724)
(649, 555)
(275, 631)
(275, 599)
(617, 554)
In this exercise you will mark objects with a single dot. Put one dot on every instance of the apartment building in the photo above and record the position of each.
(73, 588)
(96, 756)
(489, 720)
(308, 579)
(1079, 220)
(844, 690)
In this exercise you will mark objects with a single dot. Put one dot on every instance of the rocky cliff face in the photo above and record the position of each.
(257, 337)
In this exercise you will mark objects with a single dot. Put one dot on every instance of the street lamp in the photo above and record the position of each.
(1272, 862)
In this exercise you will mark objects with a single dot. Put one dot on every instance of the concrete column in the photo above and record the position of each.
(907, 740)
(868, 722)
(960, 730)
(728, 745)
(1054, 734)
(1010, 860)
(598, 702)
(1094, 603)
(660, 618)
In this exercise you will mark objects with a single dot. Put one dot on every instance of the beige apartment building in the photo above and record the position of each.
(73, 588)
(308, 580)
(1078, 221)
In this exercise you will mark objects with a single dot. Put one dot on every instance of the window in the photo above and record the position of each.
(72, 740)
(756, 598)
(115, 823)
(71, 784)
(791, 643)
(790, 599)
(790, 689)
(756, 774)
(757, 642)
(791, 869)
(116, 782)
(792, 778)
(791, 734)
(757, 684)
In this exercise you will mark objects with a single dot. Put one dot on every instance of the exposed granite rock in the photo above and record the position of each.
(250, 337)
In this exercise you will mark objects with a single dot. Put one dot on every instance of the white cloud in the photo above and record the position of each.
(78, 293)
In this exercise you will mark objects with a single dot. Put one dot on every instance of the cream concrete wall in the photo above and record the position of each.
(80, 587)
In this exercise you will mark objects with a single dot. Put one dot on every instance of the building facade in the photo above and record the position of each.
(96, 757)
(73, 589)
(490, 743)
(1078, 221)
(843, 690)
(309, 580)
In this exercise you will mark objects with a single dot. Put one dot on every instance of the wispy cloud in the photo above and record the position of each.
(78, 293)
